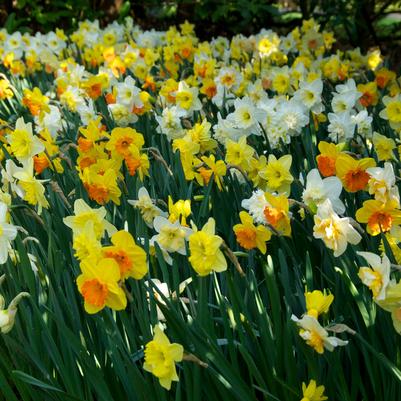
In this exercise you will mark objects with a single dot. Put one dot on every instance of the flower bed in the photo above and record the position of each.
(186, 220)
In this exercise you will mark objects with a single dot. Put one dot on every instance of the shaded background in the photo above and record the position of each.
(363, 23)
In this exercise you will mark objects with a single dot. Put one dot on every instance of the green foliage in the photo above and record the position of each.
(47, 15)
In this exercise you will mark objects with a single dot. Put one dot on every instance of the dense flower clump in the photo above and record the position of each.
(221, 189)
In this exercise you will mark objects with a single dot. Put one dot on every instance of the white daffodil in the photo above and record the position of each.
(382, 183)
(224, 130)
(164, 289)
(363, 123)
(315, 335)
(293, 114)
(376, 277)
(9, 181)
(310, 95)
(15, 45)
(127, 92)
(53, 122)
(318, 190)
(170, 123)
(8, 232)
(122, 115)
(334, 231)
(342, 103)
(256, 205)
(171, 236)
(7, 316)
(187, 99)
(341, 127)
(146, 206)
(246, 116)
(350, 90)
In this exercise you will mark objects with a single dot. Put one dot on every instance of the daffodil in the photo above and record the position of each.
(171, 236)
(318, 302)
(33, 189)
(382, 183)
(98, 284)
(318, 190)
(315, 335)
(277, 174)
(353, 172)
(379, 216)
(147, 207)
(101, 183)
(35, 101)
(23, 143)
(313, 392)
(392, 303)
(392, 111)
(181, 208)
(8, 315)
(84, 213)
(188, 149)
(205, 254)
(369, 94)
(276, 213)
(121, 139)
(8, 233)
(187, 98)
(326, 160)
(130, 257)
(200, 133)
(383, 146)
(376, 277)
(86, 242)
(250, 236)
(211, 167)
(383, 77)
(161, 356)
(239, 153)
(336, 232)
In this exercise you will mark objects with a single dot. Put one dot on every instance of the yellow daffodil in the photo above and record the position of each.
(239, 153)
(205, 254)
(98, 284)
(161, 356)
(130, 257)
(277, 174)
(250, 236)
(23, 143)
(35, 101)
(379, 216)
(313, 392)
(326, 160)
(211, 167)
(84, 213)
(276, 213)
(318, 302)
(182, 208)
(353, 172)
(383, 146)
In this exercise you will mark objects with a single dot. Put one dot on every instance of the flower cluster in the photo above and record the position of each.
(187, 161)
